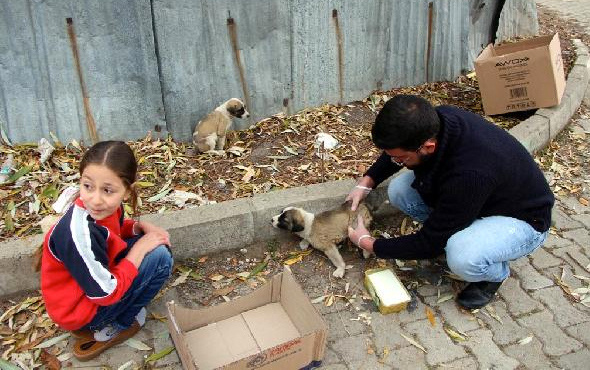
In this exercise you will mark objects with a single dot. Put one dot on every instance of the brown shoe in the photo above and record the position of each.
(79, 334)
(88, 348)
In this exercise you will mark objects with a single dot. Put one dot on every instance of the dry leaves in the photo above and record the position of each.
(413, 342)
(27, 336)
(455, 335)
(430, 316)
(277, 153)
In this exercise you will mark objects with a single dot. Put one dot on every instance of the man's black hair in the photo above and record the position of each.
(405, 122)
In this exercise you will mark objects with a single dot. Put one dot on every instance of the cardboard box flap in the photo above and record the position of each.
(215, 353)
(523, 45)
(178, 337)
(488, 52)
(187, 320)
(295, 302)
(238, 336)
(270, 325)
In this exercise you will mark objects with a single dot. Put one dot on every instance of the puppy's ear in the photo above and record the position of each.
(297, 227)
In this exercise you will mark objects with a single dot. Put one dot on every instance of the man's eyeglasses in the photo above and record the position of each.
(399, 160)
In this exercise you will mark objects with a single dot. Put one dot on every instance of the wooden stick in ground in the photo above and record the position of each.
(322, 169)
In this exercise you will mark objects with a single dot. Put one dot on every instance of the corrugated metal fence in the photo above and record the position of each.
(111, 69)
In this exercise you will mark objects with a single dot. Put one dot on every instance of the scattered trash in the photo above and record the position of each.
(45, 149)
(526, 340)
(6, 168)
(64, 200)
(179, 197)
(328, 141)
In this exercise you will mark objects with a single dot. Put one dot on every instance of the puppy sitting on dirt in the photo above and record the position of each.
(209, 134)
(325, 230)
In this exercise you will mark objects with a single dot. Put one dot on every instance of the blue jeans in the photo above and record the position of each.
(154, 270)
(481, 251)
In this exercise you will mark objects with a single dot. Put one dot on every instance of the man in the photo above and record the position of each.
(479, 194)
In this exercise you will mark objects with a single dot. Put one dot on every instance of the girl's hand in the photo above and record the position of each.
(146, 244)
(147, 228)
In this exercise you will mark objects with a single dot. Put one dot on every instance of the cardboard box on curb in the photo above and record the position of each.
(274, 327)
(520, 76)
(387, 291)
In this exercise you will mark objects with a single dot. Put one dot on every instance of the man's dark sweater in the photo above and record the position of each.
(478, 170)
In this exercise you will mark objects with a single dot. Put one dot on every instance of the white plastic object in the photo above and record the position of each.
(6, 168)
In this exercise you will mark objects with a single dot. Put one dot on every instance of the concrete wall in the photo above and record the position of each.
(162, 65)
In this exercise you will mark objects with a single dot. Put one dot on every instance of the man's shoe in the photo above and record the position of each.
(478, 294)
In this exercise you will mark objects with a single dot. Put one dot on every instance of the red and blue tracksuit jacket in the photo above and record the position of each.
(83, 265)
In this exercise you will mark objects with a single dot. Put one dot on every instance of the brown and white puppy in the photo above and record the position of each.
(210, 132)
(323, 231)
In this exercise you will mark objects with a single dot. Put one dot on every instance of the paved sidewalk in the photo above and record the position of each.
(578, 10)
(532, 324)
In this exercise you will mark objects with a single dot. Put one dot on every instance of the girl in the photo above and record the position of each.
(98, 269)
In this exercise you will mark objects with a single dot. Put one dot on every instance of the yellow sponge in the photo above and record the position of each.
(387, 291)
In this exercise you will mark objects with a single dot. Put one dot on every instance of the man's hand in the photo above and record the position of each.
(357, 194)
(359, 235)
(360, 192)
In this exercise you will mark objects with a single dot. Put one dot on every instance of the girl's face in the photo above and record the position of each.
(101, 191)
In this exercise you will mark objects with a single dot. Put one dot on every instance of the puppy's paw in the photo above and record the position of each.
(339, 273)
(215, 152)
(366, 254)
(303, 244)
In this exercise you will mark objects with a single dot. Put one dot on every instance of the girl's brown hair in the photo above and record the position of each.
(118, 157)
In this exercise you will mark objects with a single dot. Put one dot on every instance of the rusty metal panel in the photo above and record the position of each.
(275, 55)
(315, 56)
(407, 44)
(481, 18)
(213, 51)
(40, 81)
(360, 31)
(449, 39)
(344, 50)
(518, 18)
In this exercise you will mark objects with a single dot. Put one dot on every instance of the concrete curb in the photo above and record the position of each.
(537, 131)
(236, 223)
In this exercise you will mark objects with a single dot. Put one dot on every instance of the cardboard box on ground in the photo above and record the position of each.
(521, 76)
(274, 327)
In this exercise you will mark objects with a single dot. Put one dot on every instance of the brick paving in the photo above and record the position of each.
(532, 324)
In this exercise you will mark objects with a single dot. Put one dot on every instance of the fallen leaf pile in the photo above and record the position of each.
(279, 152)
(29, 338)
(567, 160)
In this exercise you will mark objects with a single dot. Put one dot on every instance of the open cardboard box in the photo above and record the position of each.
(274, 327)
(520, 76)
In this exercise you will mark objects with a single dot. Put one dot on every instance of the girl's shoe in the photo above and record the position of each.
(82, 333)
(88, 348)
